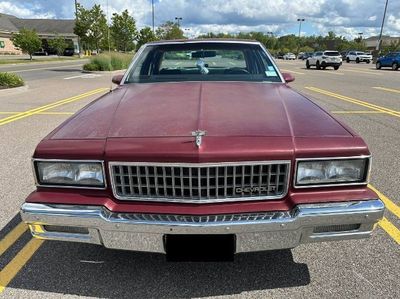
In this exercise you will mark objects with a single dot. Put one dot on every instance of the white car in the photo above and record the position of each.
(323, 59)
(358, 57)
(289, 56)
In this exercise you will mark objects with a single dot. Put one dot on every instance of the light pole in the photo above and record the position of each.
(76, 21)
(152, 14)
(178, 19)
(188, 32)
(298, 47)
(378, 46)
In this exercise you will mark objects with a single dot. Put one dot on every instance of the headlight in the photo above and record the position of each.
(69, 173)
(332, 171)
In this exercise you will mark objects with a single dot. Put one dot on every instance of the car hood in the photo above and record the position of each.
(229, 109)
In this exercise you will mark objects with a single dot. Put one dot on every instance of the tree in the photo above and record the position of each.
(123, 31)
(59, 44)
(27, 40)
(169, 30)
(91, 26)
(145, 35)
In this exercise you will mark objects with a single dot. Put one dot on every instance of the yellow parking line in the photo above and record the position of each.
(16, 264)
(387, 89)
(12, 237)
(390, 229)
(355, 101)
(49, 106)
(356, 112)
(294, 72)
(390, 205)
(43, 113)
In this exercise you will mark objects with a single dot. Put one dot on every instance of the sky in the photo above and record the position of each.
(344, 17)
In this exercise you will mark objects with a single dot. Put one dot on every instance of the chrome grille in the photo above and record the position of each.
(199, 183)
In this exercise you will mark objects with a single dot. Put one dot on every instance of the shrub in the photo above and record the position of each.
(108, 62)
(91, 67)
(8, 80)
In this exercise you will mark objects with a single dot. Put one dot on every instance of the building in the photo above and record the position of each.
(45, 28)
(371, 42)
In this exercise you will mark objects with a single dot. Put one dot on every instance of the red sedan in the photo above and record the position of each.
(202, 138)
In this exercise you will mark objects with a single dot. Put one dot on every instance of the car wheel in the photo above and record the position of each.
(368, 61)
(307, 64)
(395, 66)
(317, 65)
(348, 60)
(357, 60)
(335, 68)
(378, 65)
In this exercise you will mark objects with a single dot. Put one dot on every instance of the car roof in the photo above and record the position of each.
(204, 40)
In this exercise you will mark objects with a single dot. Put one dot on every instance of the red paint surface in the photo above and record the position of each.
(244, 122)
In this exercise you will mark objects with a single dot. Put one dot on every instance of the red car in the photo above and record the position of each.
(202, 138)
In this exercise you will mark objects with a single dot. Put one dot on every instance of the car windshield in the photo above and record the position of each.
(205, 61)
(332, 53)
(360, 53)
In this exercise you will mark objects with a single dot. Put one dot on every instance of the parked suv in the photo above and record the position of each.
(323, 59)
(390, 60)
(358, 57)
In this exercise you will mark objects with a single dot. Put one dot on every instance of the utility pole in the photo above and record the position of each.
(378, 46)
(298, 47)
(178, 19)
(152, 13)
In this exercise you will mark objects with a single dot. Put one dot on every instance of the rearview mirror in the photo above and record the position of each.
(117, 79)
(204, 54)
(288, 77)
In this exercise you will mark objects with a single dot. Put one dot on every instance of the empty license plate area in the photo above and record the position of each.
(199, 247)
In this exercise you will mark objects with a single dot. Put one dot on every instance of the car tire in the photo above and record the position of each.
(378, 65)
(368, 61)
(357, 60)
(348, 60)
(335, 68)
(395, 66)
(308, 64)
(317, 65)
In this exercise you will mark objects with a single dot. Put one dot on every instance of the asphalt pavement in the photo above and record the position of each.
(45, 69)
(364, 98)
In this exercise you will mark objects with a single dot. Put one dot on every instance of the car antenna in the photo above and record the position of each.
(109, 49)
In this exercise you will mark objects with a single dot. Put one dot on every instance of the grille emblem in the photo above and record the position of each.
(199, 135)
(271, 188)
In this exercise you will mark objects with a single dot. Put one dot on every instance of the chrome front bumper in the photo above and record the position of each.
(253, 231)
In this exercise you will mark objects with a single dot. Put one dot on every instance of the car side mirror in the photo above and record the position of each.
(288, 77)
(117, 79)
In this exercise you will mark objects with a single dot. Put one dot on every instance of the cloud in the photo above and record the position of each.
(344, 17)
(24, 11)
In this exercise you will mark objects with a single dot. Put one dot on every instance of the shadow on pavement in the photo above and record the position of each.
(90, 270)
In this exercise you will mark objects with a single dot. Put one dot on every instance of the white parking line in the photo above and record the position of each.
(83, 76)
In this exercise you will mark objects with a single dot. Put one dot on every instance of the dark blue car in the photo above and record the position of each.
(390, 60)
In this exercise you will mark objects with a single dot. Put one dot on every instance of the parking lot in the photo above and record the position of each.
(368, 100)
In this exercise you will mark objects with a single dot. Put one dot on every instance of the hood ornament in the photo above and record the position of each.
(199, 134)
